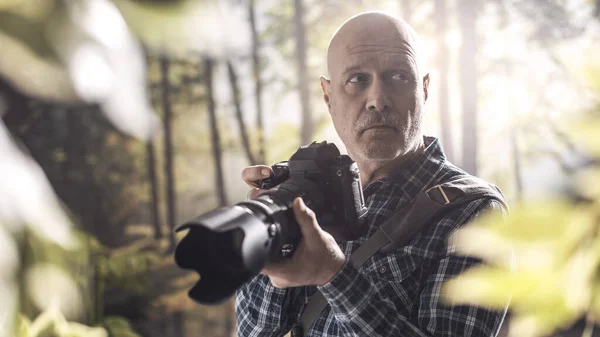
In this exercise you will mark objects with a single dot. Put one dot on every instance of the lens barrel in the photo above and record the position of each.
(229, 245)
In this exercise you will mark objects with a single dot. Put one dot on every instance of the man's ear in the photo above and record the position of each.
(426, 86)
(326, 87)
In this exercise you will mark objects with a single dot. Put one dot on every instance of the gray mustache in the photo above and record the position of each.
(377, 119)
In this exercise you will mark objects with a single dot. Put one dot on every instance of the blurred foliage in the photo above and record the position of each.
(126, 271)
(61, 51)
(119, 327)
(78, 278)
(545, 258)
(51, 323)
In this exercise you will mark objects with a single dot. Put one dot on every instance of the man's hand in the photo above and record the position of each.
(252, 175)
(317, 259)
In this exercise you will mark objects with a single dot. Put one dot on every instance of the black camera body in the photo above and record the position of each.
(229, 245)
(338, 205)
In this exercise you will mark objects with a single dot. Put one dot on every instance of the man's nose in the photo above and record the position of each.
(377, 99)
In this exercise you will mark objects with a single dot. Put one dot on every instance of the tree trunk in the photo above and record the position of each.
(256, 69)
(214, 130)
(238, 112)
(220, 182)
(441, 27)
(302, 69)
(168, 115)
(468, 83)
(151, 166)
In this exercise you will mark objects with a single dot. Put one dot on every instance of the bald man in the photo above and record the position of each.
(375, 93)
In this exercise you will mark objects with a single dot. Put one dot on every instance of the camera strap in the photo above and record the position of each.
(404, 225)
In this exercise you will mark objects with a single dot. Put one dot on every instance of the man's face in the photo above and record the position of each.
(375, 95)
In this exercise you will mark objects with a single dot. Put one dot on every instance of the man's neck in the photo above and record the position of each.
(372, 170)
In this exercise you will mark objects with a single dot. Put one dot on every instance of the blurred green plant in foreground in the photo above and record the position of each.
(71, 283)
(545, 257)
(80, 53)
(52, 322)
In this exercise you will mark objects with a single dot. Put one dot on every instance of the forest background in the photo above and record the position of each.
(123, 118)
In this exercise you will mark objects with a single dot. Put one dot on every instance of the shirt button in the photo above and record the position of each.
(382, 269)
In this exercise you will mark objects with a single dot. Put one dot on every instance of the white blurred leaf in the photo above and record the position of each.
(97, 61)
(31, 9)
(102, 21)
(51, 322)
(106, 64)
(33, 75)
(48, 285)
(215, 28)
(26, 196)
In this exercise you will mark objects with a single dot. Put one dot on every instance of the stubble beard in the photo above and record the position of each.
(379, 150)
(374, 147)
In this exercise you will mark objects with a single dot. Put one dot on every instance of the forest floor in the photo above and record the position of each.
(171, 313)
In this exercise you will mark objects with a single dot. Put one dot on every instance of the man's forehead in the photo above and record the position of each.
(369, 33)
(384, 53)
(390, 58)
(391, 44)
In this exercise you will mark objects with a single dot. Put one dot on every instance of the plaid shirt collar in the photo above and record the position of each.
(413, 176)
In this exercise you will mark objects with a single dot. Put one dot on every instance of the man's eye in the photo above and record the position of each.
(400, 77)
(358, 78)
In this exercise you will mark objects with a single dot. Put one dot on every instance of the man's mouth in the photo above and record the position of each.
(379, 127)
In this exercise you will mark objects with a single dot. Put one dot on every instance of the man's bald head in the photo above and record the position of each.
(370, 26)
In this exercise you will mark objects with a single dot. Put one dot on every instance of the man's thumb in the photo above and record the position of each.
(306, 219)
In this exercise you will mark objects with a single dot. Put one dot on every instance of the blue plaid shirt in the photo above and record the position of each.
(394, 294)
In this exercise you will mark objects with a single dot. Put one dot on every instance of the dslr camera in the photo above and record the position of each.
(229, 245)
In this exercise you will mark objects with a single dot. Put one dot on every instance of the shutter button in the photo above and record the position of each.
(382, 269)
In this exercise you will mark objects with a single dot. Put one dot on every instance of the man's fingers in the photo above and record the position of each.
(306, 219)
(276, 269)
(255, 193)
(252, 174)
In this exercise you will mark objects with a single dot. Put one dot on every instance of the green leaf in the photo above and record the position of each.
(493, 287)
(30, 33)
(543, 322)
(23, 326)
(119, 327)
(539, 235)
(587, 183)
(587, 135)
(537, 300)
(36, 10)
